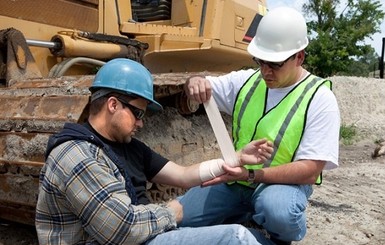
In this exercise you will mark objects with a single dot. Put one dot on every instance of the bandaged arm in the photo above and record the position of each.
(212, 168)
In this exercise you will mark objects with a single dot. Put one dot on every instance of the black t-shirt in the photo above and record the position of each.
(143, 163)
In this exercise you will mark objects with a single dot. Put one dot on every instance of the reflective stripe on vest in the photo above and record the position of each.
(283, 124)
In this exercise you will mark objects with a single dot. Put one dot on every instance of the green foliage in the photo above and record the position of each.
(348, 133)
(337, 39)
(378, 141)
(362, 66)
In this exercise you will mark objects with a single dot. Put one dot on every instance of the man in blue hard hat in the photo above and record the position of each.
(92, 186)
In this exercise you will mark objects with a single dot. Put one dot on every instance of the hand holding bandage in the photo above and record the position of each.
(256, 152)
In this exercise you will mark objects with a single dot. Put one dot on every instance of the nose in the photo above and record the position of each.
(139, 123)
(266, 70)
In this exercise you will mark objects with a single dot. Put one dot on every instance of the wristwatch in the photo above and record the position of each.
(251, 177)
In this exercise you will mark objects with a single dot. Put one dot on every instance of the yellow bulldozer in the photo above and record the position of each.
(51, 49)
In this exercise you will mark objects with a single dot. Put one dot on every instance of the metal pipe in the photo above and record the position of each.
(381, 64)
(203, 18)
(82, 48)
(44, 44)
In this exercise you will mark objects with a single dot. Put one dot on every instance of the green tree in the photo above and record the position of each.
(337, 37)
(362, 66)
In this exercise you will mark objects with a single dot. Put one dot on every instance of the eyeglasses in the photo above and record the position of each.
(138, 113)
(273, 65)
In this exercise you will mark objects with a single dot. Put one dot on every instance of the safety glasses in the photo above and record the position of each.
(138, 113)
(273, 65)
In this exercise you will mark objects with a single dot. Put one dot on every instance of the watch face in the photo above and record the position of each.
(251, 176)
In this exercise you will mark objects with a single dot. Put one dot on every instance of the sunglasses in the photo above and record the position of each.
(273, 65)
(138, 113)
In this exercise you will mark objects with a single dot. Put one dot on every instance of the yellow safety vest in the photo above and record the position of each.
(283, 124)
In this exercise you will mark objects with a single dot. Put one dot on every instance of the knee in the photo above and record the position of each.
(287, 226)
(286, 215)
(288, 222)
(281, 204)
(239, 234)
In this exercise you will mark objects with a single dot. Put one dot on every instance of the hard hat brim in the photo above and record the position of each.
(98, 92)
(271, 55)
(155, 106)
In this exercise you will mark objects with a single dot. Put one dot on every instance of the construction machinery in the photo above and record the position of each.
(50, 51)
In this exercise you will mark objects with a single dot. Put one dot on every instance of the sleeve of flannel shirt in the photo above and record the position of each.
(97, 195)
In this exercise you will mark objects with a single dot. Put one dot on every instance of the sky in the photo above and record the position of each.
(376, 43)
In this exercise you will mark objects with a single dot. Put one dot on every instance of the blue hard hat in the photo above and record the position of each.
(127, 77)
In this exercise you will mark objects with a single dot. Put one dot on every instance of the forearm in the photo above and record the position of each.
(196, 174)
(188, 176)
(299, 172)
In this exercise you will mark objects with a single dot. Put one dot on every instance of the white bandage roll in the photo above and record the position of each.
(210, 169)
(221, 133)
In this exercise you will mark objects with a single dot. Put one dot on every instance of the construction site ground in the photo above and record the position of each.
(348, 208)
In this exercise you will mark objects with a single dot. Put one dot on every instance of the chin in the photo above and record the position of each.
(270, 84)
(127, 139)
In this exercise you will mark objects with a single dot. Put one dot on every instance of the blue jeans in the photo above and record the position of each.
(279, 209)
(208, 235)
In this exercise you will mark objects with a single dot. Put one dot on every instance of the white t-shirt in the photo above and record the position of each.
(321, 136)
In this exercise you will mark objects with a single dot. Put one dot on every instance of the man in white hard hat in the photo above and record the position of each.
(280, 101)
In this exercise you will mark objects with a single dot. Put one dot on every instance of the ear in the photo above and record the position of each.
(112, 104)
(300, 57)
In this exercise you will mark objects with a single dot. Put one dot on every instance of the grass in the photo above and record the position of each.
(379, 141)
(348, 134)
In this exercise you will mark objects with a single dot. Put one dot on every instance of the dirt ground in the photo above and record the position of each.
(348, 208)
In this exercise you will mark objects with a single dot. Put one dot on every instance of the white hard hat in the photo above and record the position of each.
(281, 33)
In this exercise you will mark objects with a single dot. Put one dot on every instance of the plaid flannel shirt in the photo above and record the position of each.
(82, 200)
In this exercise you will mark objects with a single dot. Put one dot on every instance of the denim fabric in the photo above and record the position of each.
(279, 209)
(208, 235)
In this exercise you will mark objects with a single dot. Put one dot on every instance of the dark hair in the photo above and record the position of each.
(97, 104)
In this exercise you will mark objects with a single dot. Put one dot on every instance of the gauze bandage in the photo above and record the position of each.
(221, 133)
(211, 169)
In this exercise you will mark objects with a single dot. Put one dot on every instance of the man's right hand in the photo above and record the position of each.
(177, 208)
(198, 88)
